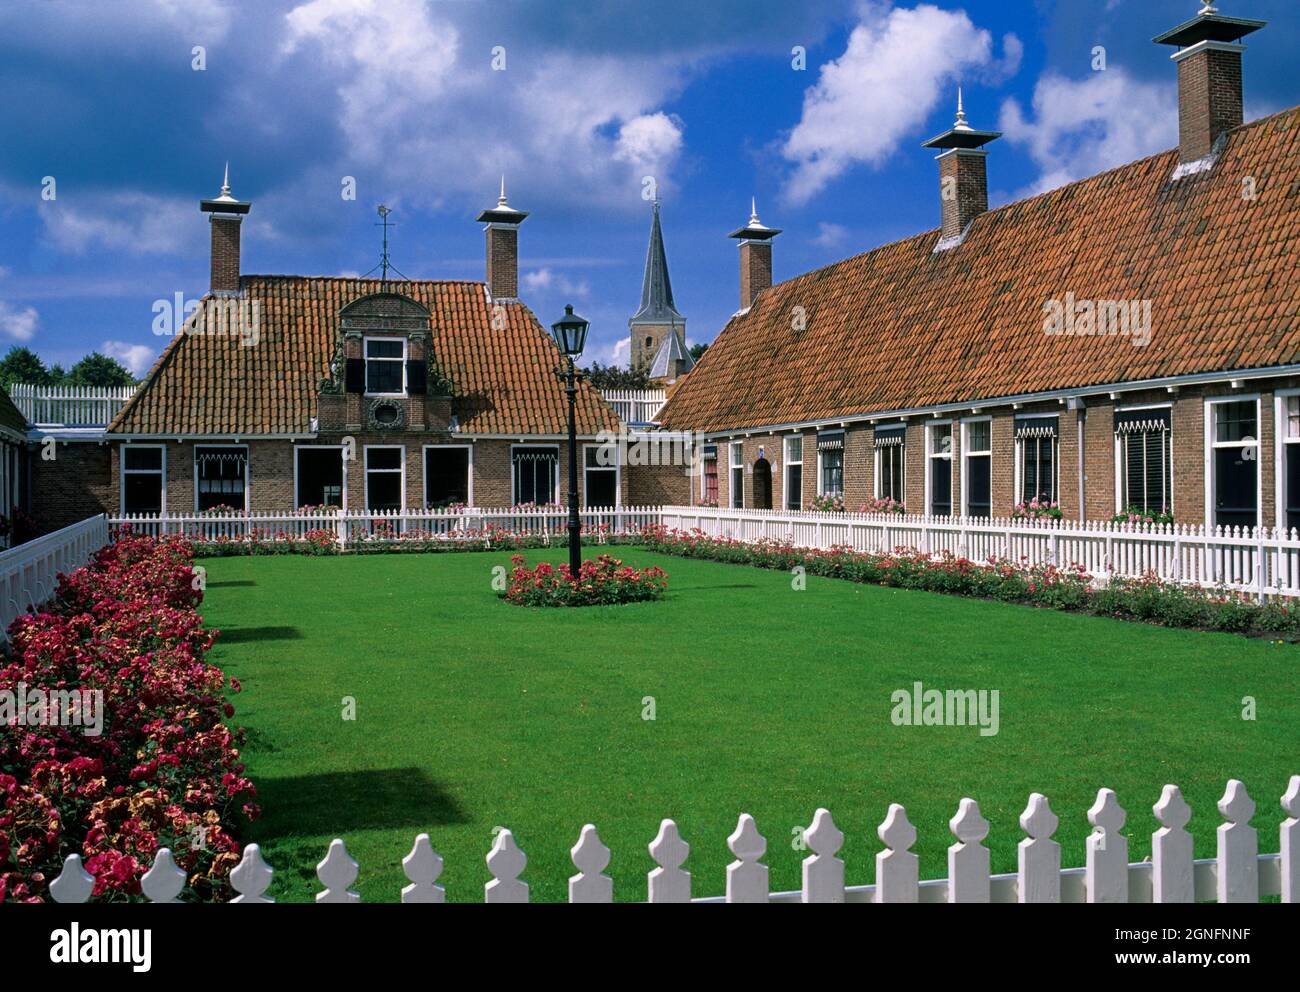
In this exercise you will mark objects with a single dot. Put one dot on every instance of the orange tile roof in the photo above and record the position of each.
(902, 327)
(502, 379)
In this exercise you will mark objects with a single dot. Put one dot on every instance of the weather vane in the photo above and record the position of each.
(384, 263)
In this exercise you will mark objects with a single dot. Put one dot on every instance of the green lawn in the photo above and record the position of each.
(473, 714)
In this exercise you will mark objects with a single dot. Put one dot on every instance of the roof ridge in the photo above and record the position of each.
(337, 278)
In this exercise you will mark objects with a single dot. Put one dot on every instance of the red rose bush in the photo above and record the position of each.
(163, 770)
(605, 581)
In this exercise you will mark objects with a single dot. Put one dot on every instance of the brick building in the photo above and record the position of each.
(283, 392)
(1130, 340)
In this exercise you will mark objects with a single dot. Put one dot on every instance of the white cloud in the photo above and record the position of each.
(1081, 127)
(419, 109)
(548, 280)
(898, 65)
(136, 357)
(136, 223)
(16, 324)
(830, 235)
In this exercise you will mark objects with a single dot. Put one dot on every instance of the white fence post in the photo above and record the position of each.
(1172, 877)
(1290, 842)
(590, 857)
(422, 867)
(669, 882)
(251, 877)
(506, 862)
(1038, 856)
(1238, 853)
(747, 876)
(336, 872)
(897, 868)
(1107, 857)
(823, 872)
(968, 859)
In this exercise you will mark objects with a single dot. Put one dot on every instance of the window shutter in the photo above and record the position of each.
(354, 377)
(417, 377)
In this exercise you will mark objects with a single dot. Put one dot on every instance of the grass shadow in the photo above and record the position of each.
(339, 803)
(246, 635)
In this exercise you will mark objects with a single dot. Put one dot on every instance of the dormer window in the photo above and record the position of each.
(385, 366)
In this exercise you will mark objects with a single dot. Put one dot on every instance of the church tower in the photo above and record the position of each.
(658, 330)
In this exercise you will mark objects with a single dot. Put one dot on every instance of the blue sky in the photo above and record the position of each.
(402, 95)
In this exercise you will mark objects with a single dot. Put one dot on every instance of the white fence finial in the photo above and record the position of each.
(73, 885)
(164, 881)
(423, 866)
(669, 882)
(897, 868)
(506, 862)
(747, 876)
(823, 872)
(251, 877)
(1038, 856)
(1106, 872)
(1172, 878)
(591, 858)
(968, 859)
(336, 873)
(1238, 852)
(1290, 838)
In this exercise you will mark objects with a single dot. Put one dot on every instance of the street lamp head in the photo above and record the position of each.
(570, 332)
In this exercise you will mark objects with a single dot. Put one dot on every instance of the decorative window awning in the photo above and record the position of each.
(830, 441)
(222, 456)
(1142, 421)
(537, 454)
(709, 451)
(1037, 427)
(888, 437)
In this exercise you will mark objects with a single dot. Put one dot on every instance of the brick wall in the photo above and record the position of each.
(965, 173)
(77, 483)
(755, 270)
(225, 254)
(1209, 100)
(503, 262)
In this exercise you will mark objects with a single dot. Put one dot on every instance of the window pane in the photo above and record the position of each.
(142, 458)
(383, 458)
(794, 487)
(446, 476)
(383, 490)
(142, 492)
(1293, 416)
(320, 477)
(711, 480)
(941, 440)
(738, 487)
(794, 449)
(383, 348)
(535, 475)
(940, 487)
(1235, 421)
(221, 473)
(979, 494)
(383, 377)
(833, 473)
(978, 436)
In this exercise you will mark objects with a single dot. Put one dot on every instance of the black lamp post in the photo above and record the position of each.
(570, 333)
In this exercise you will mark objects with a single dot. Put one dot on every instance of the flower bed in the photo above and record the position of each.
(384, 539)
(164, 769)
(1146, 599)
(604, 581)
(886, 504)
(1036, 509)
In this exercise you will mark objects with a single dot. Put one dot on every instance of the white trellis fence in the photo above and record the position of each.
(29, 573)
(1261, 561)
(354, 527)
(1238, 874)
(70, 406)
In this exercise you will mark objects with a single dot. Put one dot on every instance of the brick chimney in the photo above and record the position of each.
(963, 175)
(1209, 79)
(502, 247)
(755, 256)
(225, 215)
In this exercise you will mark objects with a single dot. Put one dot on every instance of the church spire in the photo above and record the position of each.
(656, 288)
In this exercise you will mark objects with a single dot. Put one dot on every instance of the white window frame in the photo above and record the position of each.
(821, 454)
(616, 468)
(967, 454)
(307, 447)
(878, 486)
(248, 473)
(469, 469)
(789, 463)
(560, 498)
(365, 358)
(123, 471)
(732, 464)
(930, 454)
(1280, 441)
(1211, 444)
(1018, 496)
(365, 492)
(1121, 468)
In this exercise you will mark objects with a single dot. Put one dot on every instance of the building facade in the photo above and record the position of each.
(1129, 342)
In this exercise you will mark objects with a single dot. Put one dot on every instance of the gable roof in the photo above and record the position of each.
(671, 351)
(904, 327)
(502, 378)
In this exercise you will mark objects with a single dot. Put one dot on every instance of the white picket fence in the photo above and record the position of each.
(1238, 874)
(70, 406)
(636, 406)
(29, 573)
(356, 527)
(1260, 561)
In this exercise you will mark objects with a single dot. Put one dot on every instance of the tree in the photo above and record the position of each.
(697, 351)
(23, 365)
(616, 377)
(100, 370)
